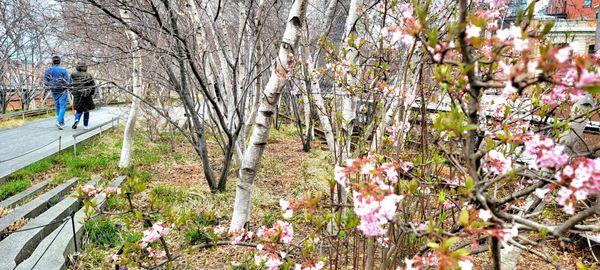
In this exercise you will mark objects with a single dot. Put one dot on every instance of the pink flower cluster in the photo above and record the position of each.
(402, 32)
(374, 199)
(154, 253)
(88, 191)
(375, 209)
(504, 235)
(497, 163)
(570, 88)
(281, 232)
(271, 240)
(112, 191)
(546, 153)
(433, 260)
(313, 266)
(241, 236)
(153, 233)
(368, 166)
(429, 259)
(578, 180)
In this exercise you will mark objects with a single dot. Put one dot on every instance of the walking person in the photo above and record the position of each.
(57, 81)
(83, 89)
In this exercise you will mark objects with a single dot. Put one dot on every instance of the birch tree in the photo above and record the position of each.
(264, 119)
(136, 83)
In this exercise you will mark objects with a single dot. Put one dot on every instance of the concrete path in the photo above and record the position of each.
(44, 135)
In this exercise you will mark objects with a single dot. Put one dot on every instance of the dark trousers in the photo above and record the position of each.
(86, 117)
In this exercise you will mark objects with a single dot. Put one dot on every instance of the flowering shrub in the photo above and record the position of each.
(154, 233)
(472, 177)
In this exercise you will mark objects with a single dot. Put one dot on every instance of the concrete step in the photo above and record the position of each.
(23, 195)
(53, 252)
(37, 206)
(19, 245)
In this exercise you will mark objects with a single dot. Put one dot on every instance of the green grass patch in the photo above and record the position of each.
(103, 232)
(13, 187)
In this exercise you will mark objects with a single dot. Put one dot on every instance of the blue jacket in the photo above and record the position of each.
(56, 79)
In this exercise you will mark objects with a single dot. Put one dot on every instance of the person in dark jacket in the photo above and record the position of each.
(83, 89)
(57, 80)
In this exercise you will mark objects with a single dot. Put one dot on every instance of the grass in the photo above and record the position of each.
(13, 187)
(96, 156)
(103, 232)
(189, 205)
(15, 122)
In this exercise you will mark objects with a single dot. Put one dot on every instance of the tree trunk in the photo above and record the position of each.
(268, 104)
(136, 82)
(349, 98)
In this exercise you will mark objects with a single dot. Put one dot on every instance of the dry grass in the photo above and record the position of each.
(178, 192)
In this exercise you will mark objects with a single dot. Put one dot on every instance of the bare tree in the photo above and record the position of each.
(264, 120)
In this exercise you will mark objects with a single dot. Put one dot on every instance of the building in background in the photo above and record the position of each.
(574, 21)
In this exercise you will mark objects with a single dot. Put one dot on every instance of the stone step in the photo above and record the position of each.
(53, 252)
(19, 245)
(37, 206)
(23, 195)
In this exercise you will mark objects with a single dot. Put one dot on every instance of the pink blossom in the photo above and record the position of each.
(521, 44)
(472, 31)
(497, 163)
(465, 265)
(578, 180)
(547, 154)
(340, 175)
(508, 89)
(503, 34)
(368, 168)
(484, 215)
(374, 212)
(88, 191)
(288, 214)
(498, 3)
(454, 182)
(153, 253)
(562, 55)
(516, 32)
(541, 193)
(317, 266)
(271, 261)
(155, 232)
(448, 204)
(587, 78)
(555, 96)
(112, 191)
(284, 204)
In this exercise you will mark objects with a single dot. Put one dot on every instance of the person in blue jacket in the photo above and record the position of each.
(57, 80)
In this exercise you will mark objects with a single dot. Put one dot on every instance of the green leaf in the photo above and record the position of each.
(450, 242)
(464, 217)
(433, 245)
(462, 252)
(442, 196)
(548, 27)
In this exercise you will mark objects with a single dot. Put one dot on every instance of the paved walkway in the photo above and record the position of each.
(44, 135)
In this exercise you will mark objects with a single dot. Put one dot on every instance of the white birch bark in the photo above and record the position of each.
(321, 109)
(349, 99)
(241, 78)
(258, 84)
(136, 81)
(268, 104)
